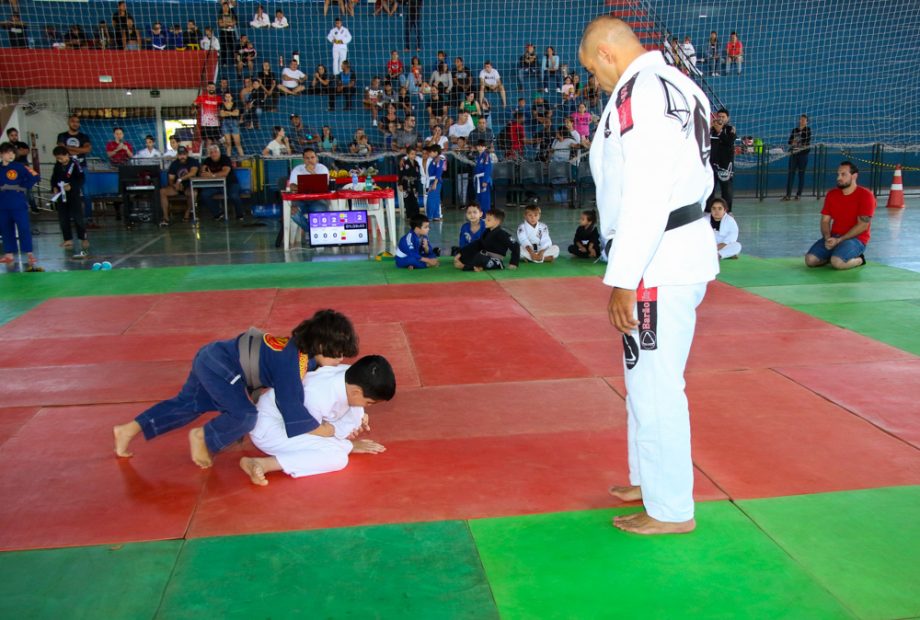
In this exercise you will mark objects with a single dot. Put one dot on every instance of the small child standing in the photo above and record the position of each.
(68, 179)
(488, 251)
(725, 228)
(482, 176)
(15, 181)
(334, 394)
(533, 235)
(587, 242)
(435, 166)
(471, 230)
(409, 176)
(414, 250)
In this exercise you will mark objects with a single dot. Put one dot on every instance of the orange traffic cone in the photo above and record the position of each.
(896, 195)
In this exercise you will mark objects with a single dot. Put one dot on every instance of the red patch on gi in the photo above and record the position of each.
(12, 175)
(624, 105)
(275, 343)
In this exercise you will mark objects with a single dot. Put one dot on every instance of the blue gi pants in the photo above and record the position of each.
(433, 203)
(12, 218)
(208, 388)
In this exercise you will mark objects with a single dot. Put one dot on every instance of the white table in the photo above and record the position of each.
(205, 183)
(388, 196)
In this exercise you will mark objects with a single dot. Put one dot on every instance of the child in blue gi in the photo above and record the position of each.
(436, 166)
(414, 250)
(482, 176)
(226, 373)
(471, 230)
(15, 181)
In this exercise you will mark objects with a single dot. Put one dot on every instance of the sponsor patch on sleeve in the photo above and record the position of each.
(624, 105)
(275, 343)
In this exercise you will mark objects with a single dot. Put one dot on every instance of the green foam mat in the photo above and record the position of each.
(577, 565)
(284, 275)
(840, 293)
(393, 571)
(84, 283)
(863, 546)
(124, 581)
(9, 310)
(748, 271)
(896, 322)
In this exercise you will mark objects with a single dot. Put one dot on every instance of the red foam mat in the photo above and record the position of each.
(12, 419)
(500, 349)
(66, 487)
(885, 393)
(759, 434)
(390, 341)
(231, 311)
(79, 316)
(425, 481)
(548, 296)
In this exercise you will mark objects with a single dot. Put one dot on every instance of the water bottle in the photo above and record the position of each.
(354, 181)
(368, 183)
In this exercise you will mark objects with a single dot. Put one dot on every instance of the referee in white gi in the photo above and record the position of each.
(650, 163)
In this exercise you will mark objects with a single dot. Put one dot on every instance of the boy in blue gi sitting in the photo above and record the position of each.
(226, 373)
(414, 251)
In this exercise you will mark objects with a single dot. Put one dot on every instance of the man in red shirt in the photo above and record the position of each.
(516, 137)
(845, 220)
(734, 53)
(119, 150)
(207, 104)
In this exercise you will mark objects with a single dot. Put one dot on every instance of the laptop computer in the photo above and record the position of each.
(312, 184)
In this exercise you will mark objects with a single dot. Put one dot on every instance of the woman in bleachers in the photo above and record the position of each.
(321, 84)
(549, 70)
(230, 125)
(131, 37)
(327, 142)
(270, 85)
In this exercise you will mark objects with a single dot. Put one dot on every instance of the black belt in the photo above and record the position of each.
(680, 216)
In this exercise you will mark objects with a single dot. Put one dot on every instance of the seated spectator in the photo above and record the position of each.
(549, 70)
(173, 149)
(527, 65)
(437, 137)
(390, 6)
(540, 113)
(414, 78)
(581, 122)
(405, 102)
(280, 20)
(442, 80)
(472, 107)
(462, 128)
(490, 80)
(734, 53)
(209, 42)
(75, 39)
(407, 136)
(688, 52)
(592, 94)
(180, 173)
(845, 223)
(149, 151)
(16, 30)
(388, 129)
(512, 139)
(327, 143)
(439, 115)
(157, 37)
(301, 136)
(267, 78)
(482, 133)
(725, 228)
(388, 97)
(713, 53)
(360, 145)
(246, 56)
(218, 166)
(252, 98)
(104, 39)
(395, 70)
(571, 132)
(192, 35)
(279, 145)
(346, 84)
(292, 79)
(486, 108)
(372, 99)
(174, 38)
(463, 81)
(310, 165)
(260, 19)
(568, 89)
(562, 145)
(322, 81)
(118, 150)
(441, 56)
(131, 37)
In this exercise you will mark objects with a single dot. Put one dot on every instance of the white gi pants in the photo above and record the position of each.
(304, 455)
(339, 54)
(730, 249)
(551, 251)
(658, 417)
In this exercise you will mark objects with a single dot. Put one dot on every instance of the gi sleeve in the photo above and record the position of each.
(728, 230)
(648, 139)
(282, 370)
(331, 36)
(515, 249)
(346, 36)
(545, 241)
(522, 236)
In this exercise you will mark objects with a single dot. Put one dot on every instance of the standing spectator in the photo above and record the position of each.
(280, 20)
(78, 145)
(463, 82)
(157, 37)
(208, 118)
(260, 19)
(104, 38)
(516, 138)
(527, 65)
(292, 79)
(722, 157)
(412, 9)
(689, 54)
(390, 6)
(120, 24)
(16, 30)
(490, 80)
(22, 149)
(298, 134)
(322, 81)
(74, 39)
(279, 145)
(327, 143)
(193, 35)
(845, 223)
(119, 150)
(131, 39)
(549, 70)
(346, 84)
(180, 173)
(734, 53)
(592, 93)
(228, 37)
(407, 136)
(270, 85)
(340, 37)
(209, 42)
(799, 143)
(395, 70)
(217, 166)
(230, 124)
(174, 38)
(713, 53)
(246, 56)
(150, 149)
(581, 121)
(372, 98)
(252, 98)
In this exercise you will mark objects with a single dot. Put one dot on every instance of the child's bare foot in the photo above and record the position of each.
(254, 470)
(549, 259)
(124, 433)
(199, 449)
(367, 446)
(410, 267)
(627, 494)
(644, 524)
(477, 269)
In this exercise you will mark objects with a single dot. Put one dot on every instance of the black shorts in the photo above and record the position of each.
(210, 133)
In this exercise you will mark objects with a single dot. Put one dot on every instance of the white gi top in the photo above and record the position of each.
(260, 21)
(534, 236)
(280, 22)
(339, 36)
(209, 44)
(728, 230)
(146, 153)
(302, 169)
(650, 156)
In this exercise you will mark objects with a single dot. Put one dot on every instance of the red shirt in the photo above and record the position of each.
(734, 48)
(121, 156)
(394, 68)
(516, 137)
(208, 105)
(845, 210)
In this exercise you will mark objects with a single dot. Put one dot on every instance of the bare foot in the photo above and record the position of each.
(626, 518)
(549, 259)
(367, 446)
(124, 433)
(646, 525)
(627, 494)
(199, 449)
(254, 470)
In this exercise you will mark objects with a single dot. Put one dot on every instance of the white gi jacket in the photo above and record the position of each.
(530, 236)
(650, 156)
(339, 34)
(728, 230)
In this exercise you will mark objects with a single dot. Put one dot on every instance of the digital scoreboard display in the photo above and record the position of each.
(338, 228)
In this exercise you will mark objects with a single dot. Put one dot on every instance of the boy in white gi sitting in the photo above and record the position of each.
(334, 394)
(533, 235)
(726, 230)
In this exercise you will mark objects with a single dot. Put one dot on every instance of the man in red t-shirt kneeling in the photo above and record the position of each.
(845, 220)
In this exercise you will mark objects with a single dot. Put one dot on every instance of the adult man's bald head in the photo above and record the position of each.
(607, 48)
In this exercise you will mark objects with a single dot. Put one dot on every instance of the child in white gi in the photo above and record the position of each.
(726, 229)
(533, 235)
(334, 394)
